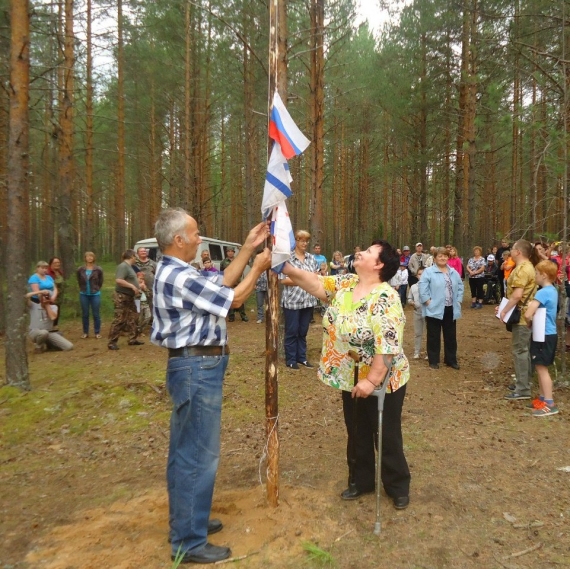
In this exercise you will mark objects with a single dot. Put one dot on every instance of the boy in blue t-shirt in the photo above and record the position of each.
(542, 353)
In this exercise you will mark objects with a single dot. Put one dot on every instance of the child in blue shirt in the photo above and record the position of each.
(542, 353)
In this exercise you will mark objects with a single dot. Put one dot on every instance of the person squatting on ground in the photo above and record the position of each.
(190, 308)
(542, 353)
(42, 316)
(419, 318)
(230, 253)
(441, 295)
(298, 305)
(476, 272)
(90, 281)
(521, 288)
(126, 315)
(365, 315)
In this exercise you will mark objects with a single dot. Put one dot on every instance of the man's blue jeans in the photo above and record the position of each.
(195, 387)
(93, 301)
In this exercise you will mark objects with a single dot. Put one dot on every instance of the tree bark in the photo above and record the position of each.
(88, 237)
(119, 217)
(18, 157)
(317, 11)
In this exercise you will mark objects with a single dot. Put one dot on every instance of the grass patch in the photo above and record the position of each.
(317, 556)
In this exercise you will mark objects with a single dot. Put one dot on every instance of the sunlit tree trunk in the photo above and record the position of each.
(18, 158)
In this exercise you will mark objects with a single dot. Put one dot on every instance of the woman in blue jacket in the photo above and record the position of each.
(441, 294)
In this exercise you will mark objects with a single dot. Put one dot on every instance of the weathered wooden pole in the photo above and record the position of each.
(277, 80)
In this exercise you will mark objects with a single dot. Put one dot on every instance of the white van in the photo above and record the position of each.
(216, 248)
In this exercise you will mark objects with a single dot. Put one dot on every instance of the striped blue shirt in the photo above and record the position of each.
(190, 306)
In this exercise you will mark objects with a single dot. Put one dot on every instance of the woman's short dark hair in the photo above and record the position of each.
(389, 256)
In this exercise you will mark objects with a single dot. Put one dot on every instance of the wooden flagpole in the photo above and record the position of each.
(272, 311)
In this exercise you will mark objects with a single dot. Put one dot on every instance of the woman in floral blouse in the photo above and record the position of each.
(476, 272)
(365, 315)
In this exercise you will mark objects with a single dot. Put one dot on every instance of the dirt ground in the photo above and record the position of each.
(83, 458)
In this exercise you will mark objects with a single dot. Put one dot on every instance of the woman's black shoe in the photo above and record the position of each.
(353, 493)
(401, 502)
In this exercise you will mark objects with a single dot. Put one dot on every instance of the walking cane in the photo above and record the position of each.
(353, 428)
(380, 393)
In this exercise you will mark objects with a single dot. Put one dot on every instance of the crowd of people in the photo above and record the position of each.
(363, 298)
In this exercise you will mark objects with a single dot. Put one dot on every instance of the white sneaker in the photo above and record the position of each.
(259, 321)
(416, 356)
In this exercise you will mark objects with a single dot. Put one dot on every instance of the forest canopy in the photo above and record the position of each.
(449, 125)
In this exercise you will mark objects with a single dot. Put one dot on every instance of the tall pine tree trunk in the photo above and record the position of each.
(88, 238)
(120, 218)
(317, 10)
(66, 234)
(18, 157)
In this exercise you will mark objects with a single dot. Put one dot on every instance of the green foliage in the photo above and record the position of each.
(317, 556)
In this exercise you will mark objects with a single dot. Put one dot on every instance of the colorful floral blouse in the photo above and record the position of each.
(372, 326)
(475, 264)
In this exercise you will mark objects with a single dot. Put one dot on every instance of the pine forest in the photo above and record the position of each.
(449, 124)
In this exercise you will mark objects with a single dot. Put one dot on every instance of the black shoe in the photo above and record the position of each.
(307, 364)
(454, 366)
(401, 502)
(231, 318)
(136, 343)
(434, 366)
(113, 347)
(214, 526)
(208, 554)
(293, 366)
(511, 387)
(244, 318)
(353, 493)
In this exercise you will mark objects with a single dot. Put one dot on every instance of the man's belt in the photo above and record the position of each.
(198, 351)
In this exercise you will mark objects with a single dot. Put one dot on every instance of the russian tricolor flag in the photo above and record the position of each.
(283, 130)
(289, 142)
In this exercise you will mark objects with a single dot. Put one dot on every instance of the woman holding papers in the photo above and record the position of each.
(365, 316)
(441, 294)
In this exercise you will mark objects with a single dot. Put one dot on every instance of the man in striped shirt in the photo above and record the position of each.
(190, 308)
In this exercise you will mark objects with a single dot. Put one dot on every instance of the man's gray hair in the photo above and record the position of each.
(170, 222)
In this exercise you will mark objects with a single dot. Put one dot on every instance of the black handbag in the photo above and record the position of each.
(514, 319)
(515, 316)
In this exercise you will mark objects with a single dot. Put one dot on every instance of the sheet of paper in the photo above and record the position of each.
(539, 325)
(501, 306)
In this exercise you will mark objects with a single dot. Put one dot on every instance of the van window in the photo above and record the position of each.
(154, 253)
(216, 252)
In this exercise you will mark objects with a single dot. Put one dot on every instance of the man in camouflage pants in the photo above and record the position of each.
(126, 315)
